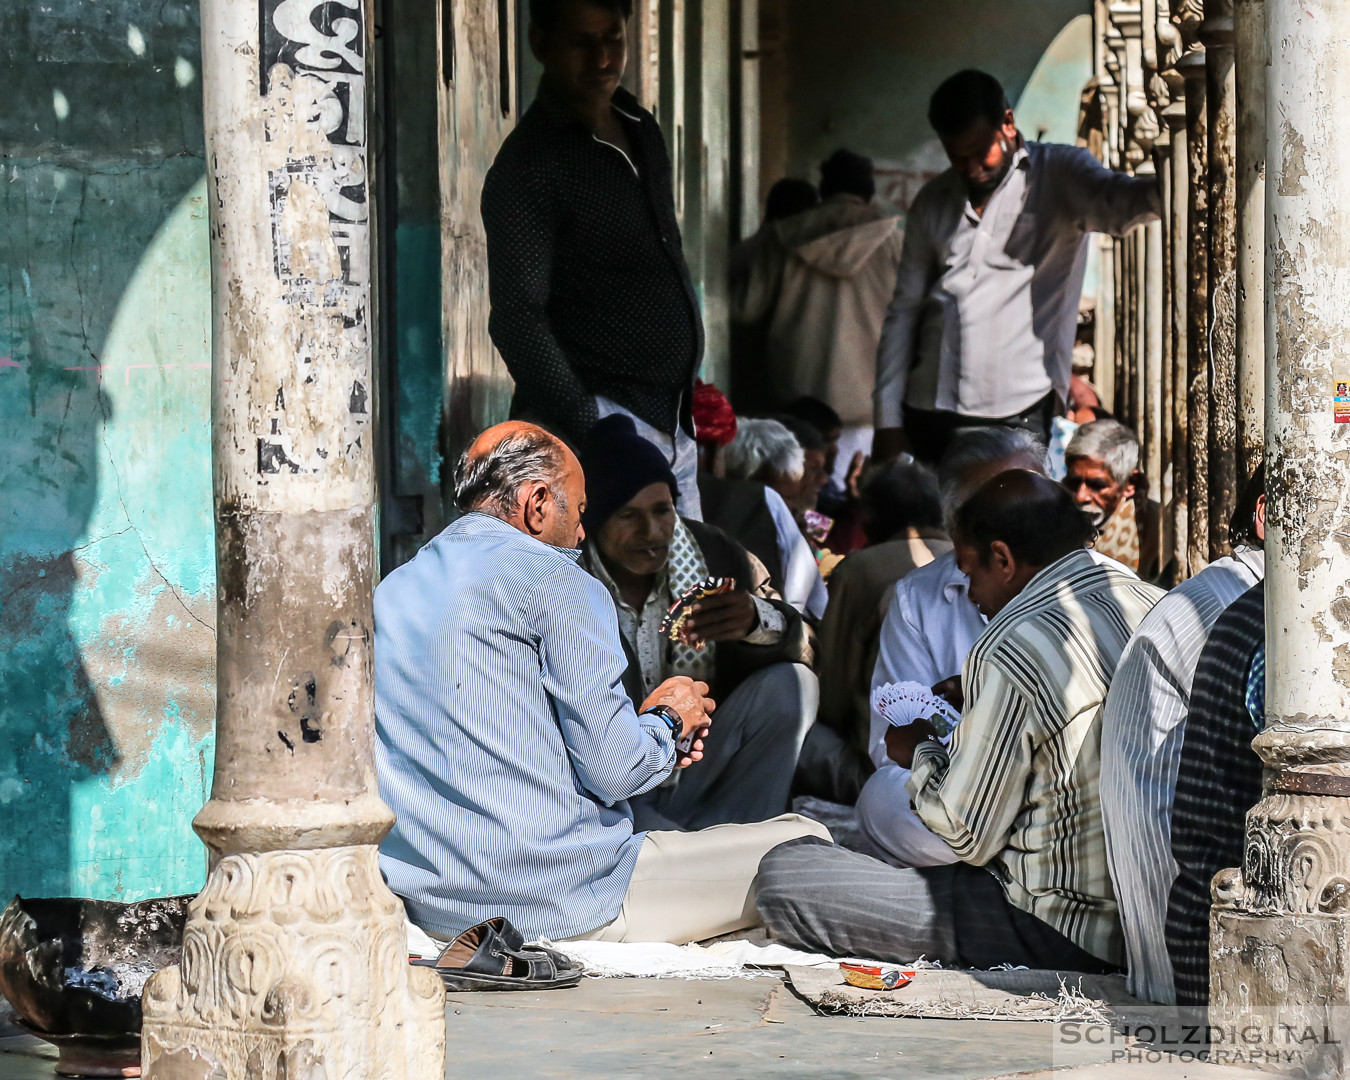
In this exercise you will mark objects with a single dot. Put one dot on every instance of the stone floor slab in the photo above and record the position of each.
(730, 1029)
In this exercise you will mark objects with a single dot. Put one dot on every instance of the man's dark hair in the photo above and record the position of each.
(789, 196)
(816, 413)
(965, 98)
(808, 438)
(544, 13)
(897, 497)
(1037, 518)
(847, 173)
(1242, 525)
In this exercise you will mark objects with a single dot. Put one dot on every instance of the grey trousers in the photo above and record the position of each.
(823, 898)
(748, 758)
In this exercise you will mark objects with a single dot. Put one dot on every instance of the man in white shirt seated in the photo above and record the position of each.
(1143, 729)
(927, 632)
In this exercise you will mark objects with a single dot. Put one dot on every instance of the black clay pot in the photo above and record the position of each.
(74, 969)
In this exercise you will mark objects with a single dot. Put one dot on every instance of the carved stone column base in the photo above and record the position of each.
(1280, 937)
(295, 967)
(1281, 991)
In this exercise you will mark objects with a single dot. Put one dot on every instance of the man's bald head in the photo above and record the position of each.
(526, 476)
(1013, 526)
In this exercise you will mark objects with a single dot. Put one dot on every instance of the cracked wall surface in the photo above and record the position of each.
(106, 546)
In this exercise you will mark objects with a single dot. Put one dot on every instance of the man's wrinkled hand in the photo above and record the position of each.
(689, 699)
(950, 691)
(721, 617)
(902, 741)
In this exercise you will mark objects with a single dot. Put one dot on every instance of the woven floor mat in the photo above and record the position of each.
(936, 994)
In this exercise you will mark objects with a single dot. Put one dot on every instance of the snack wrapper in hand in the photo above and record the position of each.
(672, 623)
(904, 702)
(816, 525)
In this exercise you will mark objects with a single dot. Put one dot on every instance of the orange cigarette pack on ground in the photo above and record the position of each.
(869, 977)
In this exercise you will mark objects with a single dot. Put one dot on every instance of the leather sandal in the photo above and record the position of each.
(493, 956)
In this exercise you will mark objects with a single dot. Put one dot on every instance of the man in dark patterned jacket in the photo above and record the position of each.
(593, 308)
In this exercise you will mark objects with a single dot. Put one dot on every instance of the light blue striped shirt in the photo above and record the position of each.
(1143, 729)
(505, 742)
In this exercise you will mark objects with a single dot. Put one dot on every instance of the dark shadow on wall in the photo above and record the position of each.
(100, 138)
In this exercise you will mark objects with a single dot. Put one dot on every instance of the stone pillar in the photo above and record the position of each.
(1281, 925)
(1221, 149)
(1167, 491)
(1105, 331)
(1178, 225)
(1249, 18)
(1120, 278)
(1151, 422)
(1139, 361)
(1192, 67)
(295, 955)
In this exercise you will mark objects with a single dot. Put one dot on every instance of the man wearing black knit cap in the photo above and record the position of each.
(747, 644)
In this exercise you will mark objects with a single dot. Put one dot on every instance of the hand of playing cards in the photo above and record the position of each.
(904, 702)
(673, 622)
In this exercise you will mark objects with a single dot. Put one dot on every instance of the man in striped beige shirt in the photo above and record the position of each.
(1017, 795)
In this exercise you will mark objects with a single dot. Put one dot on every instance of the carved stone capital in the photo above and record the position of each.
(1297, 859)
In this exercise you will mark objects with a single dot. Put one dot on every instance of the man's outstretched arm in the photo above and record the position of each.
(1105, 200)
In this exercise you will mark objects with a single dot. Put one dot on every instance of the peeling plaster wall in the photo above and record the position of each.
(106, 549)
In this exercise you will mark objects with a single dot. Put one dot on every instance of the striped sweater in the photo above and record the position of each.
(1019, 791)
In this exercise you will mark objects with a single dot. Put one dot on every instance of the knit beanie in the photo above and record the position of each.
(619, 463)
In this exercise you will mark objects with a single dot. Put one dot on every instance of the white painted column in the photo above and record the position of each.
(1282, 923)
(295, 955)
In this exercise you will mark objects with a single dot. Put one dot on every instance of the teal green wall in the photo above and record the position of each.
(106, 559)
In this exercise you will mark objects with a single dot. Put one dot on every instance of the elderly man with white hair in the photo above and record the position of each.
(1102, 473)
(767, 452)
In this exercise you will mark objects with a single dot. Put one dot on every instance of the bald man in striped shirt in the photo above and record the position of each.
(1017, 796)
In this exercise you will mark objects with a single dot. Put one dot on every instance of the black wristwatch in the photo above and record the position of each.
(670, 716)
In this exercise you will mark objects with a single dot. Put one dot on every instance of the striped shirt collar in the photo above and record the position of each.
(481, 523)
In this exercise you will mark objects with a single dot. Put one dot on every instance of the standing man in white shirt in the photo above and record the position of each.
(981, 327)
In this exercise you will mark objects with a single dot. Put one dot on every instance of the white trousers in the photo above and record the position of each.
(690, 886)
(680, 450)
(886, 817)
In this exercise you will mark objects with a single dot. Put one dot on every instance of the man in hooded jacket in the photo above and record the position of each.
(823, 279)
